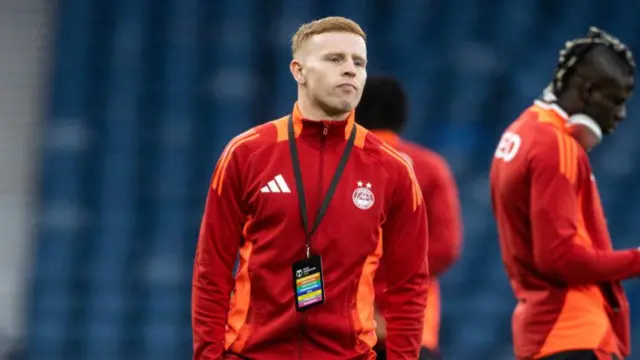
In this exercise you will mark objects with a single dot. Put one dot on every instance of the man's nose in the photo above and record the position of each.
(621, 113)
(349, 69)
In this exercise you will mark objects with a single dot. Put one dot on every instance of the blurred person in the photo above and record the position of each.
(553, 234)
(383, 110)
(306, 201)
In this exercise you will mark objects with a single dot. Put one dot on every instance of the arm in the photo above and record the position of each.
(405, 251)
(557, 247)
(444, 219)
(218, 244)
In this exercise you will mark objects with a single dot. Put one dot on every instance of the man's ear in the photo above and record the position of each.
(586, 90)
(296, 70)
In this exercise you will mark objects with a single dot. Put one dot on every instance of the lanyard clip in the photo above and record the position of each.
(308, 251)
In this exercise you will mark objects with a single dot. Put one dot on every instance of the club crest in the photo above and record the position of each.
(363, 196)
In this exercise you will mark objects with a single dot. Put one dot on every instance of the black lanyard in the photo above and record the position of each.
(297, 173)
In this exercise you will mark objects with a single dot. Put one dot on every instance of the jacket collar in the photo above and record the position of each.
(551, 113)
(331, 127)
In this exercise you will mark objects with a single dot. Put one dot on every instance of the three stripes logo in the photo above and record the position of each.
(277, 185)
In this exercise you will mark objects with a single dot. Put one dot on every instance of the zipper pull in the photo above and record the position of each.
(325, 131)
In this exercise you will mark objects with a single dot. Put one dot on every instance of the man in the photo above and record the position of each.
(383, 110)
(553, 234)
(306, 201)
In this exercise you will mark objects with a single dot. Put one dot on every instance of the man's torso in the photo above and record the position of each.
(550, 316)
(348, 240)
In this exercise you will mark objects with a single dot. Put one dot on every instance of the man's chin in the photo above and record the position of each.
(346, 107)
(610, 129)
(342, 107)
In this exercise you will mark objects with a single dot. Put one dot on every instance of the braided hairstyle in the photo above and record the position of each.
(575, 49)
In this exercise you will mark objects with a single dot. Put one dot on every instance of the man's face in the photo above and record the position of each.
(607, 98)
(332, 67)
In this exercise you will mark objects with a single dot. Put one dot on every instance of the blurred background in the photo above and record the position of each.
(113, 113)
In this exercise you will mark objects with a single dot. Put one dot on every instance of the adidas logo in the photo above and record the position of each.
(277, 185)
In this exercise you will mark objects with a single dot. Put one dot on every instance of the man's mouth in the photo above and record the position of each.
(611, 127)
(347, 86)
(614, 124)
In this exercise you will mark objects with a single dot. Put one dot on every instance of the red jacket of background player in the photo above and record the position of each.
(445, 227)
(252, 207)
(555, 243)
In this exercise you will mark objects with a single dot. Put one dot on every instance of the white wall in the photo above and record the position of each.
(25, 33)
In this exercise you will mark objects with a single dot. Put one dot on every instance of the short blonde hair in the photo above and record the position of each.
(324, 25)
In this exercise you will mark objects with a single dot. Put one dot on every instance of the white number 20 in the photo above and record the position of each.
(508, 146)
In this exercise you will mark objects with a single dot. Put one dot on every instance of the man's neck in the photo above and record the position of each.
(311, 112)
(565, 104)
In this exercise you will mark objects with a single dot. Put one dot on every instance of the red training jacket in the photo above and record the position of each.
(444, 221)
(555, 243)
(252, 208)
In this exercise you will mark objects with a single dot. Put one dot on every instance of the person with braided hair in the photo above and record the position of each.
(554, 239)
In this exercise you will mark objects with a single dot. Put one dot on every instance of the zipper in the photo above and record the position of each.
(323, 138)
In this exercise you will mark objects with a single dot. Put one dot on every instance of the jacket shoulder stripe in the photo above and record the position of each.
(282, 132)
(567, 157)
(223, 162)
(417, 196)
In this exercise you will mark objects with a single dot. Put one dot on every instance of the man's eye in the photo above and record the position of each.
(618, 101)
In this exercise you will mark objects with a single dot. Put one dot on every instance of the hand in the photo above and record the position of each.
(381, 326)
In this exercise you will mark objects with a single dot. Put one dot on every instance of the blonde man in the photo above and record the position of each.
(306, 201)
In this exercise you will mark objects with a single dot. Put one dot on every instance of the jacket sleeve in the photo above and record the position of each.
(444, 219)
(557, 170)
(218, 244)
(405, 251)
